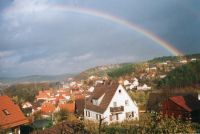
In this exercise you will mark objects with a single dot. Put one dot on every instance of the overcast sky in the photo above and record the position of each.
(36, 38)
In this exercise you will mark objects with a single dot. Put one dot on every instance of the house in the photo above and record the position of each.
(184, 107)
(144, 87)
(91, 89)
(126, 83)
(110, 102)
(47, 108)
(27, 108)
(11, 117)
(134, 84)
(70, 107)
(183, 61)
(193, 59)
(45, 95)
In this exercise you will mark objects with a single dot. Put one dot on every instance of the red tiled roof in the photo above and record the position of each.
(70, 107)
(47, 108)
(60, 97)
(15, 116)
(42, 94)
(189, 103)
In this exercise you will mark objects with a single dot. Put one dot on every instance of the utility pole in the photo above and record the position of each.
(100, 123)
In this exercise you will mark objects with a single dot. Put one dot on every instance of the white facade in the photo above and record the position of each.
(127, 109)
(91, 89)
(144, 87)
(126, 83)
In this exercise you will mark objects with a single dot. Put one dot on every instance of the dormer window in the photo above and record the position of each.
(94, 101)
(5, 111)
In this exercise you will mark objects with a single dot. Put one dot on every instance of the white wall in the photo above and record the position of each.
(92, 115)
(120, 99)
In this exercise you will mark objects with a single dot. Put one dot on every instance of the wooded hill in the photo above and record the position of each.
(184, 76)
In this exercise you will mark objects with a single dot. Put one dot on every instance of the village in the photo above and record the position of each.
(100, 100)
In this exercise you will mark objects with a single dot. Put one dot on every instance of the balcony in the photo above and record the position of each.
(117, 109)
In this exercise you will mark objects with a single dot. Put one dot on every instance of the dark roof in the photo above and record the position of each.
(189, 103)
(157, 98)
(79, 106)
(106, 89)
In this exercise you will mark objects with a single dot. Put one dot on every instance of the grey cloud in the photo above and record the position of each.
(47, 41)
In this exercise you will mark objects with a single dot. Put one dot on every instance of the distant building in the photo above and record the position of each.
(110, 102)
(70, 107)
(183, 107)
(11, 117)
(193, 59)
(144, 87)
(183, 61)
(47, 108)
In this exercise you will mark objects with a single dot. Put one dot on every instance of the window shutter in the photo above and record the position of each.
(132, 114)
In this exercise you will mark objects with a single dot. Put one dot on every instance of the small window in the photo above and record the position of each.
(126, 102)
(114, 103)
(120, 91)
(5, 111)
(132, 114)
(88, 113)
(85, 113)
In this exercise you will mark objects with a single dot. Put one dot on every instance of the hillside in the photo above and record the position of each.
(148, 71)
(183, 76)
(34, 78)
(100, 71)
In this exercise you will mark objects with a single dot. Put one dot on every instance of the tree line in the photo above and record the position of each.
(184, 76)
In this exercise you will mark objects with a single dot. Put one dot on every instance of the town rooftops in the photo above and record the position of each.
(10, 114)
(106, 89)
(189, 103)
(47, 108)
(70, 107)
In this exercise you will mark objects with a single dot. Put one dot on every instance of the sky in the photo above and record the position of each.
(39, 38)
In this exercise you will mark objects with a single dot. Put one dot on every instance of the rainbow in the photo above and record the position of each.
(119, 21)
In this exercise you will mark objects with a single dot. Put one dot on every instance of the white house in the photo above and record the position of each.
(134, 84)
(126, 83)
(91, 89)
(183, 61)
(144, 87)
(193, 59)
(111, 103)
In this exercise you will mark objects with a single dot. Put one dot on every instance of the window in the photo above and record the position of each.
(120, 91)
(85, 113)
(126, 102)
(132, 114)
(88, 113)
(5, 111)
(115, 104)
